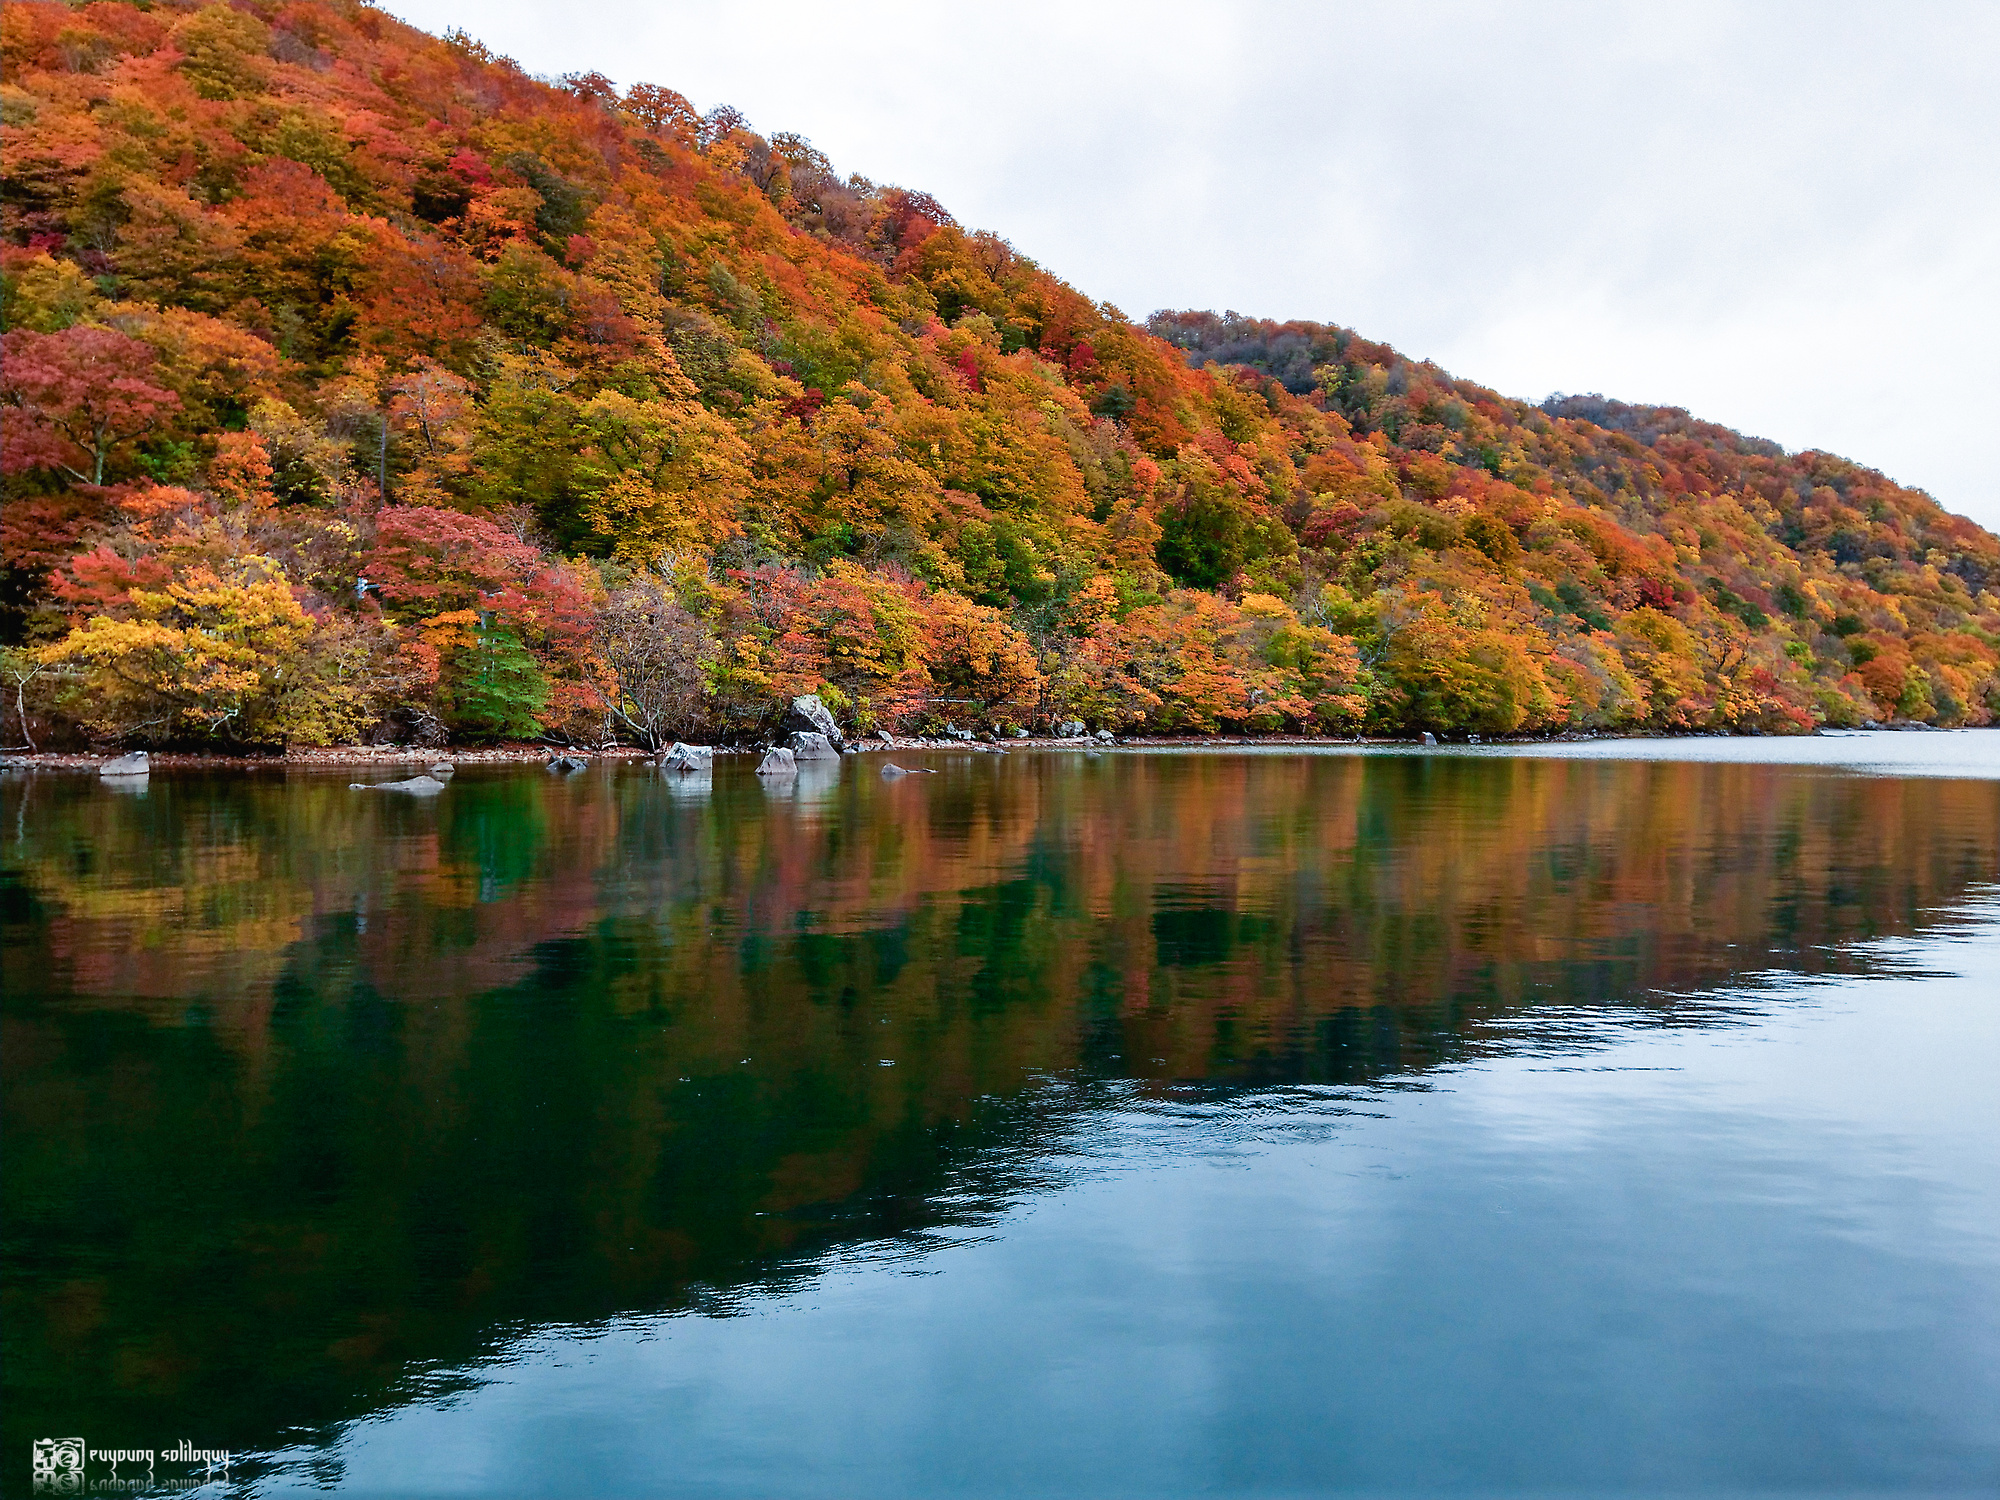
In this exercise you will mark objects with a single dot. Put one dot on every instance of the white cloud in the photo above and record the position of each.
(1782, 217)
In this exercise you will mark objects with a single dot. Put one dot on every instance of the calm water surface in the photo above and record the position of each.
(1595, 1120)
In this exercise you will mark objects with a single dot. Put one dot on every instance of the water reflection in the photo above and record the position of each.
(309, 1090)
(812, 786)
(694, 786)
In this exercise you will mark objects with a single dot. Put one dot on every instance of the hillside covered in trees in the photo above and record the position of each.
(360, 385)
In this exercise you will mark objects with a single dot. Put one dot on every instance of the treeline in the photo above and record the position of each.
(361, 385)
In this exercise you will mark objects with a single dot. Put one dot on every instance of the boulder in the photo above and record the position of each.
(1429, 738)
(958, 734)
(1020, 734)
(135, 764)
(567, 763)
(810, 744)
(1104, 737)
(1070, 729)
(688, 760)
(891, 771)
(420, 786)
(812, 716)
(442, 769)
(779, 762)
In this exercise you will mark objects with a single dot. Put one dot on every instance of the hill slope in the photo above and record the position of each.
(362, 385)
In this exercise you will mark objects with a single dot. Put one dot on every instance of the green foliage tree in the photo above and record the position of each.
(491, 688)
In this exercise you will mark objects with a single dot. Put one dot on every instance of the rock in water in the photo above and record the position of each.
(421, 786)
(810, 744)
(1429, 738)
(567, 763)
(688, 759)
(811, 715)
(891, 771)
(779, 762)
(135, 764)
(442, 769)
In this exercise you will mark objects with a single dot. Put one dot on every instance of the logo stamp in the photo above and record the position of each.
(59, 1465)
(62, 1465)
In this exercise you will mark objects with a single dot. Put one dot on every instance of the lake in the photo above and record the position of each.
(1609, 1118)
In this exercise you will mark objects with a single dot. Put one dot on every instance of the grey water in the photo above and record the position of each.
(1616, 1118)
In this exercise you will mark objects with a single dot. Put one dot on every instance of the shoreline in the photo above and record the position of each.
(397, 756)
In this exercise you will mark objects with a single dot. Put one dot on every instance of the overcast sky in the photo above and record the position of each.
(1784, 217)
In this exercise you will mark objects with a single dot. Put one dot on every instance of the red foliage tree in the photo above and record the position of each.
(427, 560)
(75, 398)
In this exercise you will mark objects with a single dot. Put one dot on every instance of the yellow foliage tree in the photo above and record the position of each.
(1301, 675)
(211, 658)
(1665, 658)
(660, 477)
(1454, 671)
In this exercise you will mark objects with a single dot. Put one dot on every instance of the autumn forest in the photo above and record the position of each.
(361, 386)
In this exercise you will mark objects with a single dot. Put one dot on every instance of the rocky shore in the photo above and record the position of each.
(390, 757)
